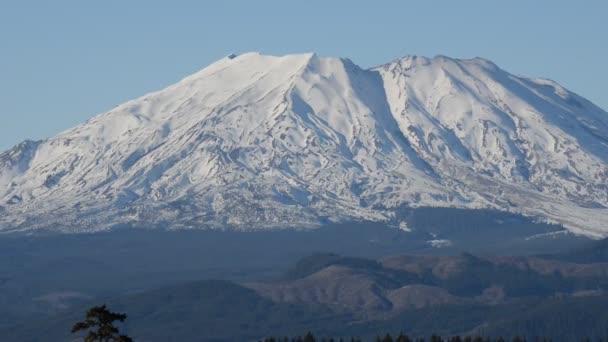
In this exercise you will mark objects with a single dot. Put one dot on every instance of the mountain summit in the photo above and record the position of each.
(255, 141)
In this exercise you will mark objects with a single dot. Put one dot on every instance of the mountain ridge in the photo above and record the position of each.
(255, 141)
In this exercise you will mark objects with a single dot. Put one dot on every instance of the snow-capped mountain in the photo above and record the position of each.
(255, 141)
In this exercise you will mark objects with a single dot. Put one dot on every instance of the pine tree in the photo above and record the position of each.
(309, 337)
(387, 338)
(436, 338)
(403, 338)
(100, 324)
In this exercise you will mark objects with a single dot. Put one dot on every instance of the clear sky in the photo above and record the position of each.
(62, 62)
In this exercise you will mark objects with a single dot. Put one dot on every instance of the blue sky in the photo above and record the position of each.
(62, 62)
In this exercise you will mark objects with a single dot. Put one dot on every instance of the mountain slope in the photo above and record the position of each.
(256, 141)
(483, 127)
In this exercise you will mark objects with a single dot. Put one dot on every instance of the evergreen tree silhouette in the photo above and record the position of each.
(309, 337)
(387, 338)
(100, 324)
(402, 338)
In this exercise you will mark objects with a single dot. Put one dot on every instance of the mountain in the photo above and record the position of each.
(333, 295)
(391, 285)
(259, 142)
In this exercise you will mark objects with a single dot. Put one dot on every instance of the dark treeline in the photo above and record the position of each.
(404, 338)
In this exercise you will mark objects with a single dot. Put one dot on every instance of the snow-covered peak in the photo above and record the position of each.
(259, 141)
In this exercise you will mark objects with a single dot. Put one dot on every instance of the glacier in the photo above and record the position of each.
(254, 141)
